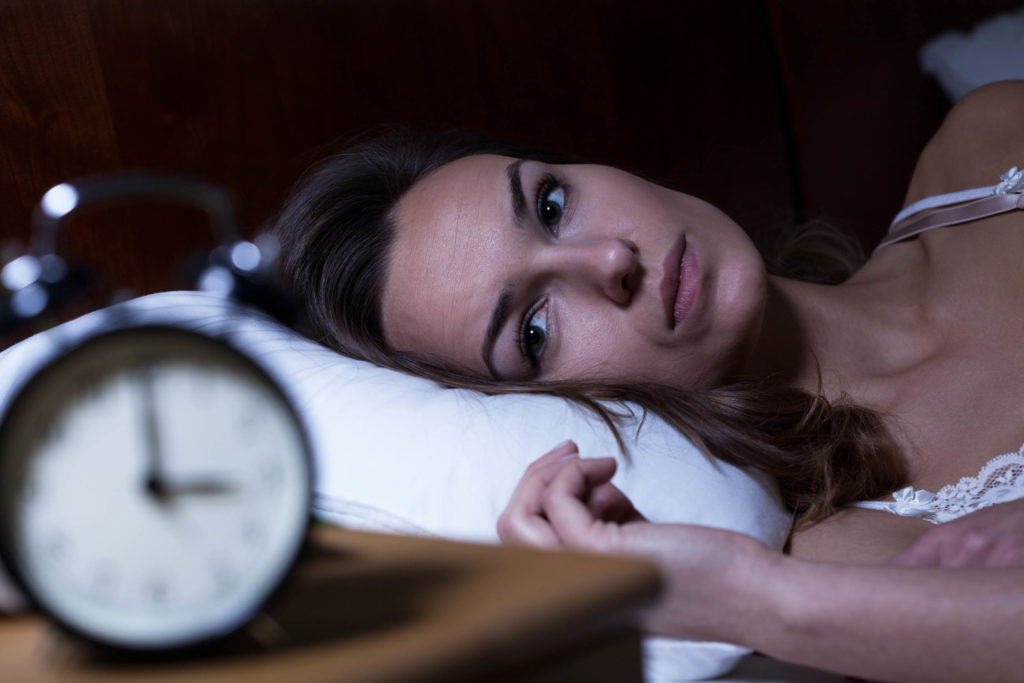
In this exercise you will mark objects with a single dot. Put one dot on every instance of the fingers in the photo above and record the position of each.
(990, 537)
(571, 520)
(584, 487)
(578, 497)
(924, 552)
(523, 522)
(607, 502)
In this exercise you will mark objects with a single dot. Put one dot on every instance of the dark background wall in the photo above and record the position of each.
(775, 110)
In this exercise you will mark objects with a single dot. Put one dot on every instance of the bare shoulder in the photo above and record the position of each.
(1002, 101)
(982, 136)
(856, 535)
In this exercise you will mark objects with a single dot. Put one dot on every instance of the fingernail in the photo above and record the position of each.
(567, 444)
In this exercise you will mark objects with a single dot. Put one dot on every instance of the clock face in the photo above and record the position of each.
(154, 488)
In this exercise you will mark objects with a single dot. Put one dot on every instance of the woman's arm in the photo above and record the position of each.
(896, 623)
(880, 622)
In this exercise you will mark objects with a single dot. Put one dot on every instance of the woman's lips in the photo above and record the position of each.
(670, 280)
(679, 284)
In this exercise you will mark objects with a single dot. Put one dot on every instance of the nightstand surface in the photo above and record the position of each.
(373, 608)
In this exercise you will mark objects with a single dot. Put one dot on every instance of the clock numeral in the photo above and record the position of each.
(157, 591)
(57, 547)
(254, 533)
(224, 578)
(248, 422)
(270, 475)
(103, 581)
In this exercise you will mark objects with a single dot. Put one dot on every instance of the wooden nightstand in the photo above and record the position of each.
(374, 608)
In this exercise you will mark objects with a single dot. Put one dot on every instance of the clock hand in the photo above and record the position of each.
(199, 487)
(154, 481)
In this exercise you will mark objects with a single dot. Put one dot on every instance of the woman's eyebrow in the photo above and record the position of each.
(501, 311)
(515, 191)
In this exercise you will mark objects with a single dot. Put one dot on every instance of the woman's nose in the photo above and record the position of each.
(611, 264)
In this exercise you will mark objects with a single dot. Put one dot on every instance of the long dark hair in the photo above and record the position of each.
(336, 232)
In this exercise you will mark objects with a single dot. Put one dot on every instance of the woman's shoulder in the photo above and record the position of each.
(981, 137)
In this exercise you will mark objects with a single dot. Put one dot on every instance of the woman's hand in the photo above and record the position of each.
(990, 537)
(525, 520)
(720, 585)
(567, 501)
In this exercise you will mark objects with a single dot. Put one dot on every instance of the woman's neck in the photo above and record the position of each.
(861, 335)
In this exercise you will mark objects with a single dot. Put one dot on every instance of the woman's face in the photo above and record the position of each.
(520, 270)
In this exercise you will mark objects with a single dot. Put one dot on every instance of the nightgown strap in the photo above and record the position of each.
(981, 203)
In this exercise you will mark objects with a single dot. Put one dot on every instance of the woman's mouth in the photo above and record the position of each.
(679, 284)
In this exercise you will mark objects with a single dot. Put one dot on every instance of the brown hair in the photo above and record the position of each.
(336, 230)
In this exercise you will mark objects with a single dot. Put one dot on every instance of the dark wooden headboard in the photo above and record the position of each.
(774, 110)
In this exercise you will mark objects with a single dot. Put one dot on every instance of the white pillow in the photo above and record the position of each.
(399, 454)
(993, 50)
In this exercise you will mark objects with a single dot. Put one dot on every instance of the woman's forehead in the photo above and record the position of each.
(459, 207)
(446, 259)
(480, 171)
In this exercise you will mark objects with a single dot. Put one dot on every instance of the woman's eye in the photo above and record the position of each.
(551, 203)
(533, 334)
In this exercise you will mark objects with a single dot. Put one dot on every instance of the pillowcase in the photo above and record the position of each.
(400, 454)
(993, 50)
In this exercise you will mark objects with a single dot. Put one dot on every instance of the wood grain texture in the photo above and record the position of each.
(55, 122)
(371, 608)
(248, 93)
(773, 110)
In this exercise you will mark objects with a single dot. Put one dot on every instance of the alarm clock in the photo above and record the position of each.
(155, 481)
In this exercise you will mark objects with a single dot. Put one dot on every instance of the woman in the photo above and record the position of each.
(508, 271)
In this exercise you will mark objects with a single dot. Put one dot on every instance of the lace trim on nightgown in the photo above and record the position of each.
(1000, 480)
